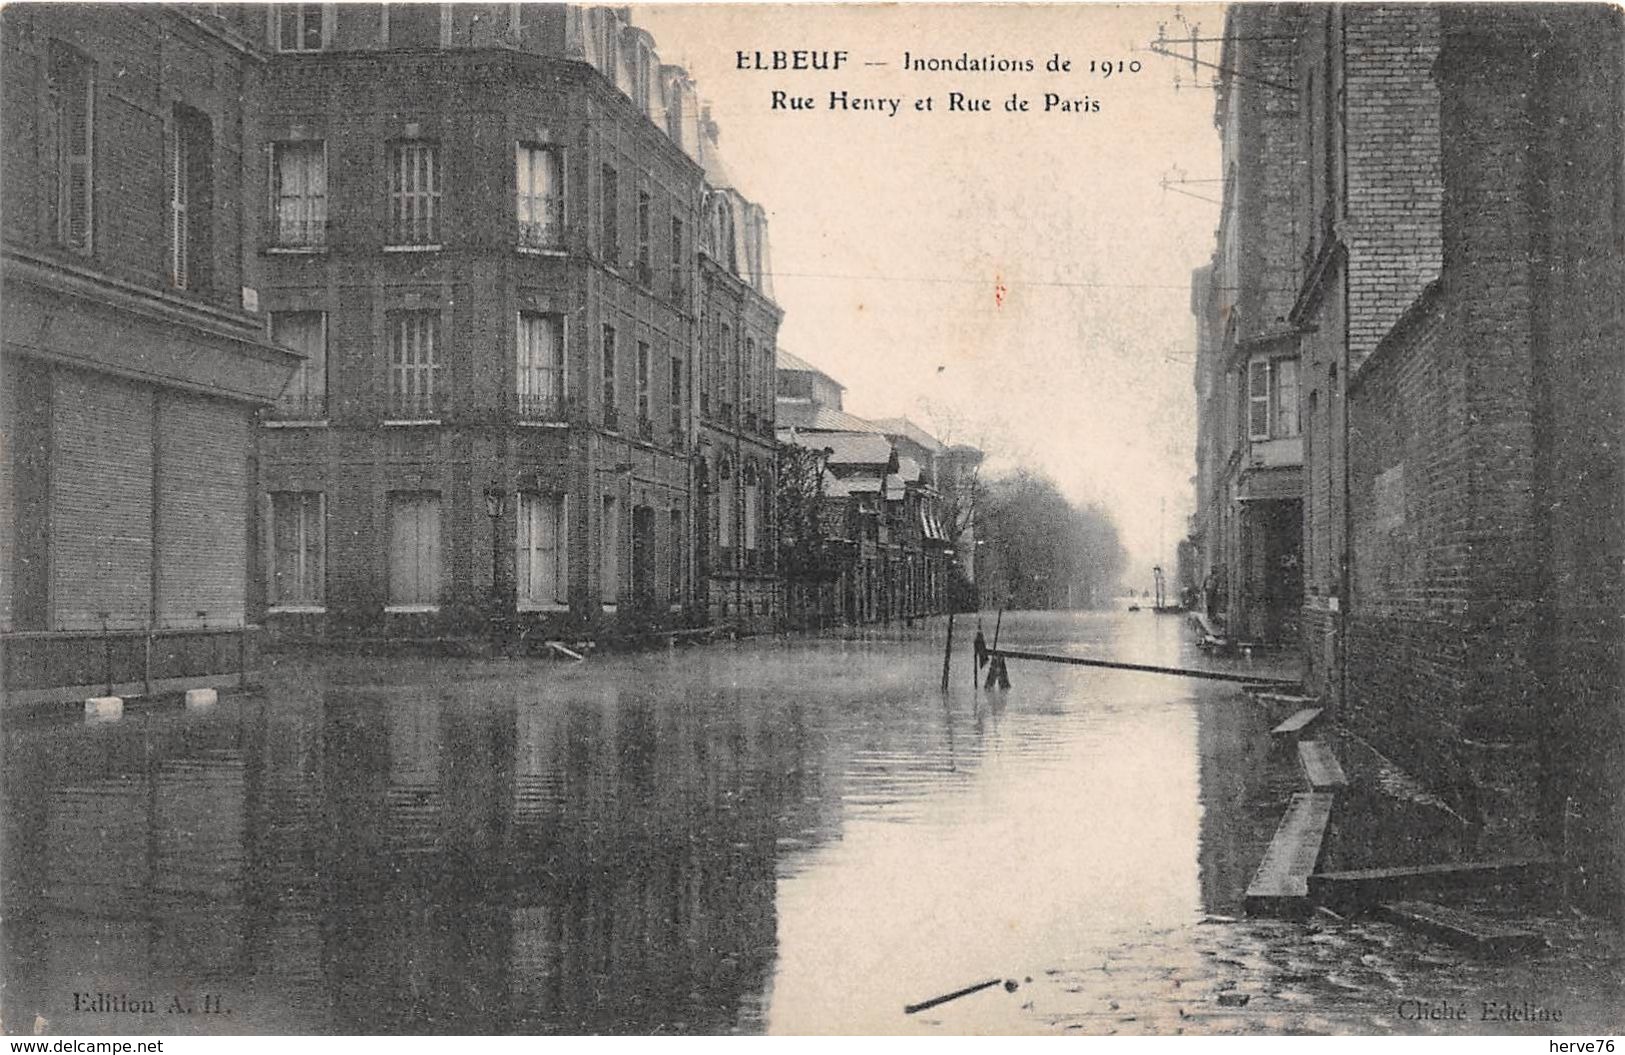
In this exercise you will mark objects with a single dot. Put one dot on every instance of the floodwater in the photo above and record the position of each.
(794, 835)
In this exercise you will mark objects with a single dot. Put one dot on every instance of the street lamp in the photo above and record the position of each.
(496, 501)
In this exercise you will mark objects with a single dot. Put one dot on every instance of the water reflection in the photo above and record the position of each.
(787, 836)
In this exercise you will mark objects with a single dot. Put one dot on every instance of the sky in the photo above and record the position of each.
(1016, 280)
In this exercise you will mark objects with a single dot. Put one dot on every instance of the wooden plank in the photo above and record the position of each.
(1320, 765)
(1281, 884)
(1369, 886)
(1211, 675)
(1463, 929)
(1298, 723)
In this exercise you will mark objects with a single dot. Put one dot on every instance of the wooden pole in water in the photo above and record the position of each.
(996, 624)
(947, 651)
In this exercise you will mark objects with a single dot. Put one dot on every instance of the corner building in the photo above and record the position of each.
(482, 235)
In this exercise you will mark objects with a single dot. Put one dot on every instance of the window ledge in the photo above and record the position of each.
(297, 609)
(410, 609)
(535, 250)
(529, 606)
(410, 422)
(296, 250)
(294, 423)
(542, 423)
(435, 248)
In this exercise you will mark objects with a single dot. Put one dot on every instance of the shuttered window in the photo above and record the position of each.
(539, 371)
(542, 553)
(414, 193)
(299, 182)
(203, 447)
(72, 114)
(539, 179)
(414, 338)
(676, 393)
(609, 216)
(305, 332)
(298, 550)
(676, 548)
(414, 549)
(644, 410)
(611, 407)
(101, 502)
(1285, 420)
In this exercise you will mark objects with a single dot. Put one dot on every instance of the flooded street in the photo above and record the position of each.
(793, 835)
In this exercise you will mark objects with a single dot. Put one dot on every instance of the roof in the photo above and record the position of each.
(853, 448)
(905, 427)
(818, 418)
(788, 360)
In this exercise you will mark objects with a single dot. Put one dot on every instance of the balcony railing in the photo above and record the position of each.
(414, 406)
(305, 406)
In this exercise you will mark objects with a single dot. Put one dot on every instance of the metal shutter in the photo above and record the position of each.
(202, 511)
(101, 502)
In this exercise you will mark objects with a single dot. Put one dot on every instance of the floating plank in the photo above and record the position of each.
(1369, 886)
(1281, 885)
(568, 653)
(1463, 929)
(1184, 672)
(1298, 723)
(1320, 765)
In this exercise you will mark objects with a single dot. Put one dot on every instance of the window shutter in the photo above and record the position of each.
(1258, 400)
(178, 231)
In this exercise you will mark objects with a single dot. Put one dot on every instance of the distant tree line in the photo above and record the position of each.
(1041, 551)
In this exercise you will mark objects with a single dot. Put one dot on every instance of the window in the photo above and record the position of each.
(414, 193)
(609, 553)
(72, 112)
(675, 550)
(540, 202)
(725, 506)
(609, 204)
(414, 549)
(541, 566)
(298, 27)
(676, 397)
(723, 372)
(1272, 399)
(644, 412)
(298, 548)
(752, 501)
(645, 258)
(540, 367)
(414, 338)
(748, 390)
(611, 417)
(191, 170)
(299, 181)
(305, 332)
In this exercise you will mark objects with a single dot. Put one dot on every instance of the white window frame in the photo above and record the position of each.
(1266, 416)
(308, 505)
(546, 234)
(414, 366)
(540, 387)
(538, 511)
(306, 203)
(416, 183)
(1258, 399)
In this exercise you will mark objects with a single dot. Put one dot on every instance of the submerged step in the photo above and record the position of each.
(1281, 884)
(1298, 723)
(1463, 929)
(1368, 886)
(1320, 765)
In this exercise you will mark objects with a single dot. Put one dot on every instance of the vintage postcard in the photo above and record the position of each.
(929, 519)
